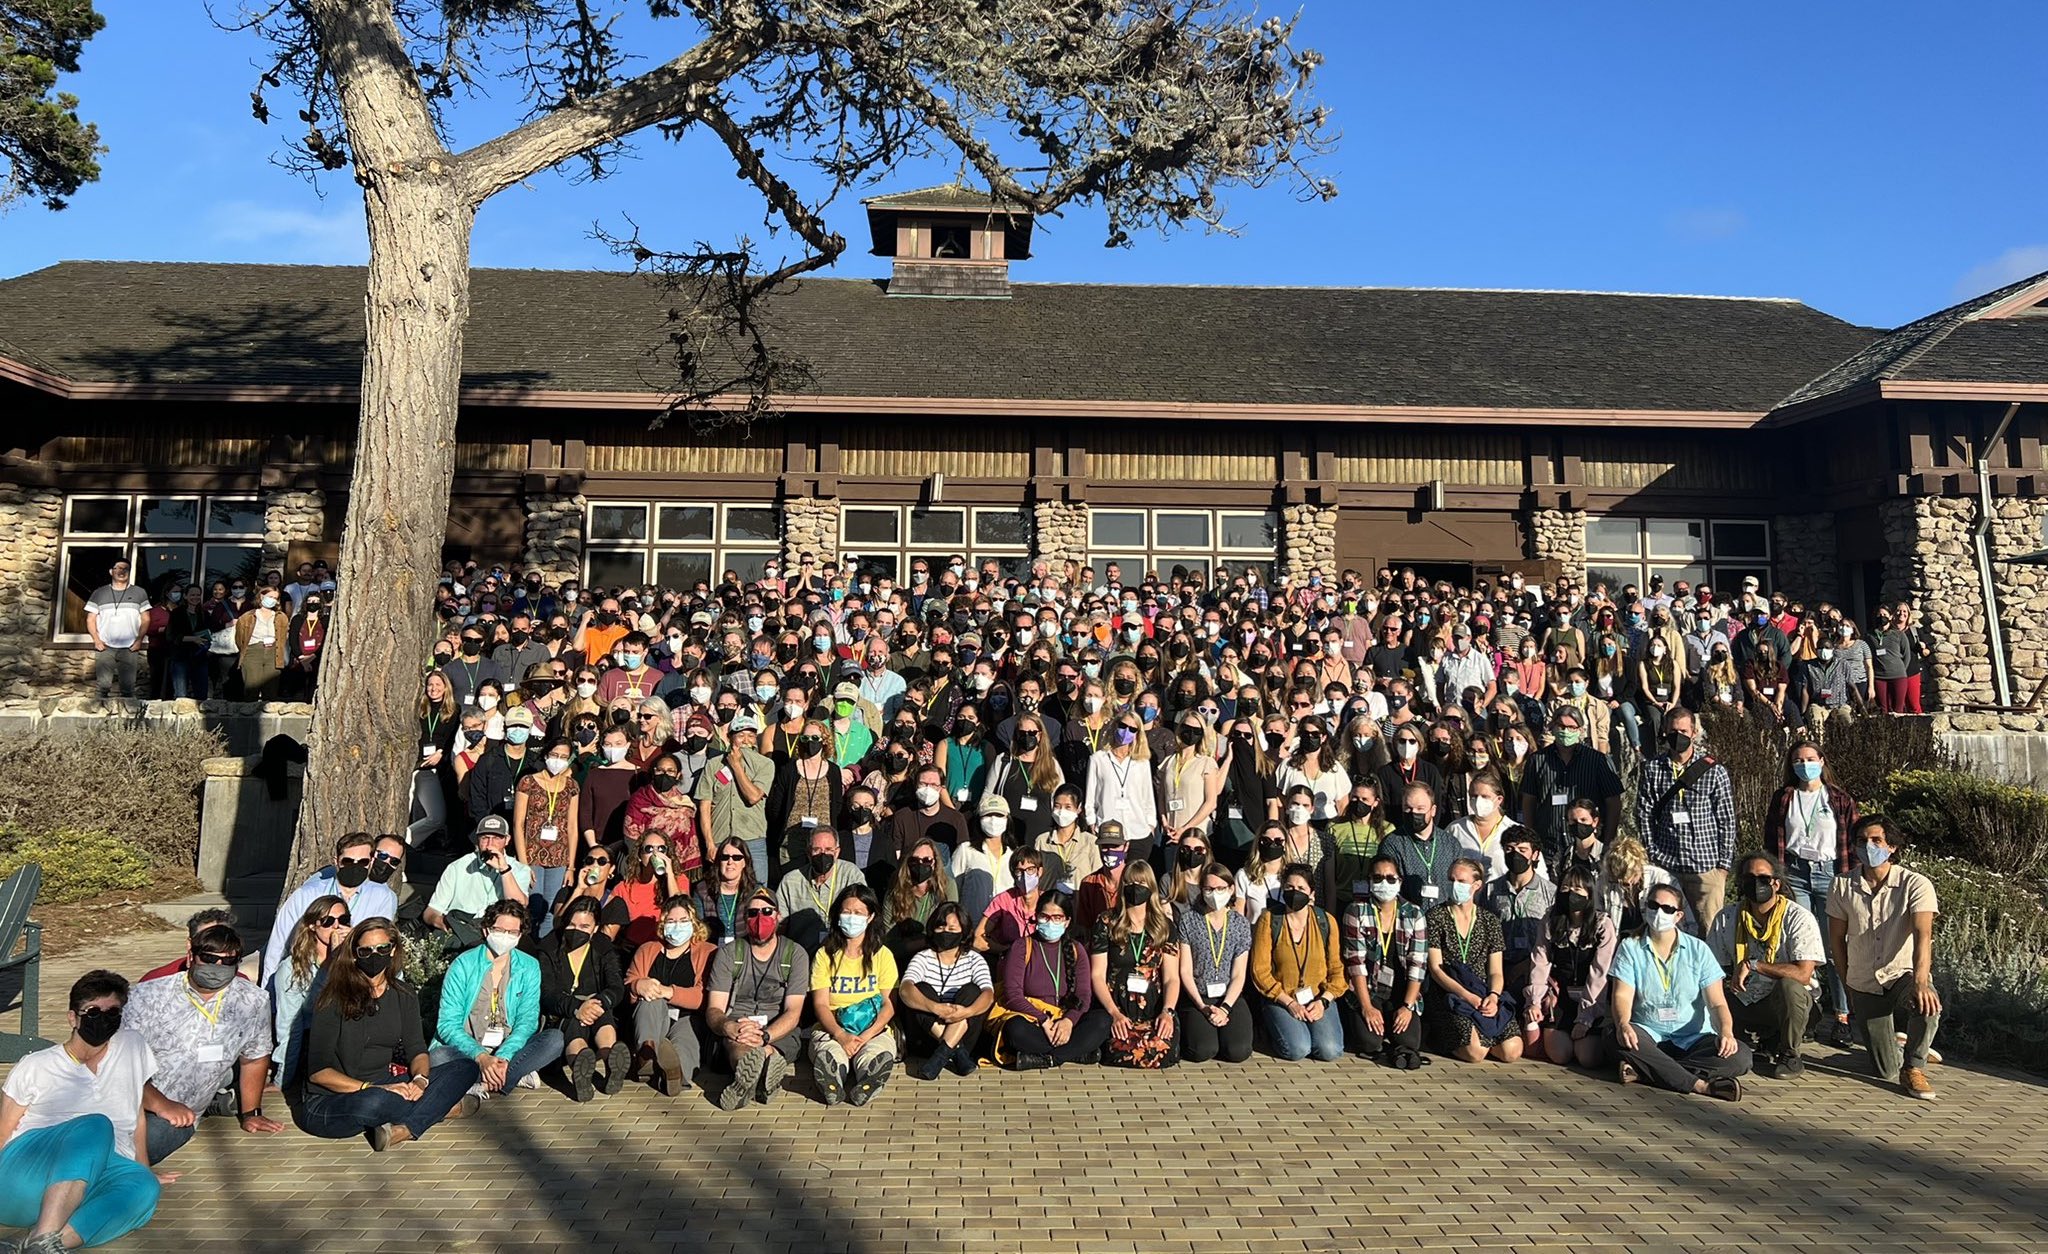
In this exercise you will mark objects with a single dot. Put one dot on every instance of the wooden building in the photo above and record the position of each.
(199, 418)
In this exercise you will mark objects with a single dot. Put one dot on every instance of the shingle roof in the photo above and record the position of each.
(945, 196)
(1951, 343)
(602, 331)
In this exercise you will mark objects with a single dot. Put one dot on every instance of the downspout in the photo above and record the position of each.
(1994, 635)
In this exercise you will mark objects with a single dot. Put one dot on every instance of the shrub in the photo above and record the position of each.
(138, 784)
(76, 864)
(426, 966)
(1993, 981)
(2000, 826)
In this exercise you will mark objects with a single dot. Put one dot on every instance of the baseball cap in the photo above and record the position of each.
(1111, 833)
(993, 805)
(519, 716)
(745, 722)
(846, 692)
(494, 825)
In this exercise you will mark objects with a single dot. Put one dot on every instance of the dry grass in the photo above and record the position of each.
(138, 785)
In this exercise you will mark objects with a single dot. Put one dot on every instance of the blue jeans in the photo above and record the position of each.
(1807, 883)
(338, 1116)
(167, 1138)
(120, 1194)
(1294, 1040)
(758, 849)
(1629, 723)
(542, 1048)
(547, 881)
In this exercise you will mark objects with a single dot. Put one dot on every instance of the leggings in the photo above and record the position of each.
(120, 1193)
(1203, 1041)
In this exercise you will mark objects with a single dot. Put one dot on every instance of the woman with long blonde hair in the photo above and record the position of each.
(1135, 970)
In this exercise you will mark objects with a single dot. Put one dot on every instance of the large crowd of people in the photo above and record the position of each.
(831, 823)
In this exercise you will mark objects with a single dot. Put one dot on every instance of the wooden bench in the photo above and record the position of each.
(17, 894)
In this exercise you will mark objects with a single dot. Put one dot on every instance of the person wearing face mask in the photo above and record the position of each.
(947, 992)
(1047, 994)
(1385, 948)
(1025, 777)
(1881, 936)
(1424, 853)
(807, 792)
(1297, 969)
(982, 865)
(1522, 896)
(1097, 895)
(1471, 1015)
(1807, 829)
(1770, 947)
(490, 1007)
(663, 809)
(1567, 769)
(963, 757)
(349, 879)
(1579, 941)
(205, 1027)
(754, 1002)
(582, 994)
(666, 980)
(1071, 852)
(732, 794)
(1215, 941)
(851, 1045)
(1314, 765)
(929, 814)
(1135, 973)
(1672, 1025)
(367, 1069)
(805, 894)
(545, 827)
(470, 885)
(1824, 684)
(71, 1171)
(1407, 764)
(1485, 829)
(852, 736)
(1685, 815)
(1188, 783)
(921, 883)
(491, 785)
(1658, 680)
(261, 638)
(1009, 916)
(1119, 785)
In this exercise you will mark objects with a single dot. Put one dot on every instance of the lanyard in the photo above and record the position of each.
(211, 1013)
(1386, 933)
(1218, 943)
(728, 914)
(1051, 972)
(823, 903)
(1465, 938)
(1138, 948)
(1663, 968)
(552, 797)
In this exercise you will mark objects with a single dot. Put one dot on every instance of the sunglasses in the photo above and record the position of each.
(352, 861)
(392, 859)
(331, 921)
(366, 950)
(1299, 705)
(1386, 879)
(732, 857)
(760, 912)
(217, 960)
(1661, 908)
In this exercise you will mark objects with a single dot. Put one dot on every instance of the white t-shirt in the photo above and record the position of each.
(118, 614)
(55, 1087)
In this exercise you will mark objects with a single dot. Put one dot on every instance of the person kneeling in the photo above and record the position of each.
(490, 1007)
(1298, 970)
(852, 1049)
(946, 994)
(1665, 985)
(363, 1020)
(1386, 955)
(1770, 945)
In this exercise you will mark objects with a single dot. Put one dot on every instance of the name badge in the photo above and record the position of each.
(760, 1019)
(1235, 812)
(1662, 693)
(210, 1052)
(1883, 652)
(427, 751)
(1681, 818)
(1669, 1014)
(1383, 979)
(1173, 805)
(469, 698)
(1559, 798)
(1770, 692)
(1304, 995)
(492, 1038)
(1431, 892)
(1577, 993)
(1215, 989)
(674, 1014)
(1137, 984)
(960, 795)
(808, 821)
(1028, 804)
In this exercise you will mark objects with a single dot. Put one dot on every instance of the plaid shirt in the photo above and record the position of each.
(1704, 838)
(1359, 940)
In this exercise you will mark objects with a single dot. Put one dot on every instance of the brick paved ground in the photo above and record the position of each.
(1263, 1157)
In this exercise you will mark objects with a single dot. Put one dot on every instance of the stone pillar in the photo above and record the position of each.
(291, 517)
(554, 535)
(30, 522)
(1931, 561)
(2016, 528)
(1803, 558)
(1559, 535)
(1059, 532)
(810, 524)
(1308, 540)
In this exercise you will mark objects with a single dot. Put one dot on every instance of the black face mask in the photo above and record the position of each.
(921, 872)
(1760, 888)
(1581, 831)
(946, 941)
(663, 783)
(809, 746)
(1678, 742)
(823, 862)
(1357, 810)
(856, 816)
(1125, 686)
(351, 876)
(1293, 901)
(1518, 862)
(574, 938)
(1574, 902)
(1413, 824)
(586, 736)
(1274, 740)
(373, 965)
(1311, 740)
(1190, 736)
(442, 657)
(1024, 741)
(694, 744)
(1136, 894)
(1271, 849)
(1192, 858)
(382, 871)
(97, 1027)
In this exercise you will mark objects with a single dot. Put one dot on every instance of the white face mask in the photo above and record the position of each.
(993, 824)
(1064, 818)
(1406, 750)
(927, 796)
(488, 701)
(1482, 807)
(1092, 704)
(1297, 815)
(1218, 898)
(1659, 921)
(586, 690)
(500, 943)
(557, 765)
(615, 753)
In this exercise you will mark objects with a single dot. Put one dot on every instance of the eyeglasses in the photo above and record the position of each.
(352, 861)
(331, 921)
(760, 912)
(648, 851)
(650, 718)
(217, 960)
(1299, 705)
(385, 948)
(732, 857)
(1660, 908)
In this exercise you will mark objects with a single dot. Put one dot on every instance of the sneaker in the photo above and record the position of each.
(1914, 1082)
(1031, 1062)
(934, 1066)
(479, 1090)
(531, 1080)
(831, 1083)
(1842, 1035)
(48, 1243)
(668, 1069)
(773, 1075)
(379, 1138)
(1933, 1054)
(868, 1081)
(583, 1075)
(746, 1077)
(618, 1068)
(1790, 1067)
(1727, 1088)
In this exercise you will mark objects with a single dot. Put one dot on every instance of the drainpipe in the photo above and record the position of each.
(1994, 635)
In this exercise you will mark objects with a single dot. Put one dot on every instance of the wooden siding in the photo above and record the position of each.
(724, 455)
(1676, 464)
(1479, 458)
(159, 448)
(510, 456)
(1182, 455)
(907, 450)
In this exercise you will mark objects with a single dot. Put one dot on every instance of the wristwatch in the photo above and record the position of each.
(242, 1115)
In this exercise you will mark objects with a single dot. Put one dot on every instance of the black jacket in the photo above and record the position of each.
(492, 779)
(561, 993)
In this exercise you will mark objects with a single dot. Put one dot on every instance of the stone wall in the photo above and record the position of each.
(291, 517)
(2022, 590)
(1059, 532)
(1803, 555)
(30, 519)
(1931, 560)
(809, 525)
(1308, 540)
(554, 534)
(1559, 535)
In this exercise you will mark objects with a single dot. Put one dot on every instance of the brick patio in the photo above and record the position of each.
(1264, 1157)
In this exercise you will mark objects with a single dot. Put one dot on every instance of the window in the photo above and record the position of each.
(1622, 551)
(1199, 541)
(168, 541)
(883, 540)
(677, 544)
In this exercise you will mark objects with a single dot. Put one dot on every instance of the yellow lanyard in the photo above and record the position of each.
(210, 1013)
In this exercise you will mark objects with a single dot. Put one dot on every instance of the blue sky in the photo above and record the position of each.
(1875, 159)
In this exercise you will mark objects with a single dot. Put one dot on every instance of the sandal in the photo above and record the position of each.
(1629, 1075)
(1727, 1088)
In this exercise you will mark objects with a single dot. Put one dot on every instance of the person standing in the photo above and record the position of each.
(114, 617)
(1685, 808)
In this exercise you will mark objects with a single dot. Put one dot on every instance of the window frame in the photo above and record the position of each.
(719, 548)
(1721, 572)
(132, 542)
(1153, 556)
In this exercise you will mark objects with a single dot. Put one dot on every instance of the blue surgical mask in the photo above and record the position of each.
(1052, 929)
(679, 933)
(1875, 855)
(634, 661)
(1461, 891)
(1808, 771)
(851, 925)
(517, 735)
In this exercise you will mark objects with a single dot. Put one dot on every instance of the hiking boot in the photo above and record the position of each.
(1913, 1081)
(868, 1081)
(772, 1076)
(669, 1069)
(831, 1083)
(746, 1077)
(618, 1068)
(583, 1076)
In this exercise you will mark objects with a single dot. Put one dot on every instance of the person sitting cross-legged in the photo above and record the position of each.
(1770, 945)
(490, 1007)
(208, 1029)
(853, 1050)
(1665, 985)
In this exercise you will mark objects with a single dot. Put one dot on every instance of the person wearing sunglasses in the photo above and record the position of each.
(205, 1027)
(754, 1002)
(723, 890)
(490, 1007)
(1385, 947)
(349, 878)
(1672, 1026)
(365, 1024)
(323, 924)
(1770, 945)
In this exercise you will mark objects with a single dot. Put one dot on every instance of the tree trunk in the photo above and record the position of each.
(364, 741)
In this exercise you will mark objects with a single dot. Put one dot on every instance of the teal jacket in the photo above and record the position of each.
(458, 993)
